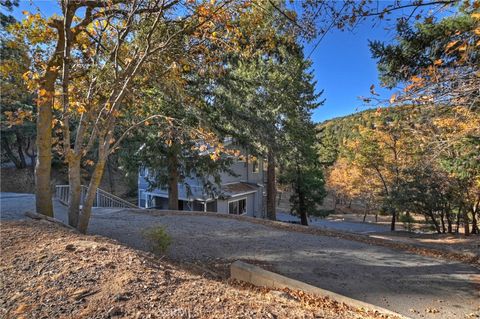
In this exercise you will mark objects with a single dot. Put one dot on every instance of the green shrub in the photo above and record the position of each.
(407, 221)
(159, 239)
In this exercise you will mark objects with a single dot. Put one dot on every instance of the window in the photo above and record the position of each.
(237, 207)
(255, 167)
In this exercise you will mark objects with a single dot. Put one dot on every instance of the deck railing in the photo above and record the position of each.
(102, 198)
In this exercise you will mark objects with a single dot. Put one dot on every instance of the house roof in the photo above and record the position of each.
(237, 189)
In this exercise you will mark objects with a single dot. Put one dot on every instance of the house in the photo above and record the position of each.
(242, 192)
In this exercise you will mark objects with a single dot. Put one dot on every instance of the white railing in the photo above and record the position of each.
(102, 198)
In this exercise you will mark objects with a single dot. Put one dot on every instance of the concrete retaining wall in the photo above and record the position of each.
(259, 277)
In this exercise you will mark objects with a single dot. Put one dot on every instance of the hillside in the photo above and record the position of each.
(332, 133)
(404, 161)
(49, 271)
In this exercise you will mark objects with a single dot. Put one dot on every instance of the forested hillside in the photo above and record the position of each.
(407, 159)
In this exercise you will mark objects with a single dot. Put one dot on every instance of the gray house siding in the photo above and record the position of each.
(194, 198)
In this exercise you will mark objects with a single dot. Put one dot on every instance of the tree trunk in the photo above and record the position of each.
(394, 219)
(20, 144)
(74, 192)
(91, 194)
(30, 151)
(474, 221)
(172, 178)
(302, 207)
(435, 223)
(8, 151)
(442, 219)
(458, 221)
(43, 196)
(465, 222)
(448, 213)
(271, 187)
(365, 213)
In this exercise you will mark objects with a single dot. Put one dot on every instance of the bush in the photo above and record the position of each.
(407, 221)
(159, 239)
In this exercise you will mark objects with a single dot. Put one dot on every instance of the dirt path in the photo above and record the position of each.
(416, 286)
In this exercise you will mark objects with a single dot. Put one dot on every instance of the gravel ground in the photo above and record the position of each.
(50, 272)
(413, 285)
(353, 227)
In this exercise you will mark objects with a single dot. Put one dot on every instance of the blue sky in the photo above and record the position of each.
(342, 63)
(345, 70)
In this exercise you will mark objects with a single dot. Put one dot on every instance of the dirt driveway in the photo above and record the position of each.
(413, 285)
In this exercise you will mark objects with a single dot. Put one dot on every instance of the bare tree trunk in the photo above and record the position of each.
(91, 194)
(301, 199)
(394, 219)
(474, 221)
(172, 178)
(74, 192)
(458, 221)
(448, 213)
(465, 222)
(442, 219)
(45, 101)
(365, 213)
(435, 223)
(8, 151)
(271, 187)
(43, 195)
(20, 145)
(30, 151)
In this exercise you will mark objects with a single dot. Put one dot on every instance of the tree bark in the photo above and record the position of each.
(8, 151)
(448, 213)
(442, 219)
(45, 101)
(394, 219)
(435, 223)
(74, 192)
(30, 151)
(271, 187)
(43, 196)
(474, 222)
(302, 207)
(172, 178)
(465, 222)
(91, 194)
(20, 145)
(458, 221)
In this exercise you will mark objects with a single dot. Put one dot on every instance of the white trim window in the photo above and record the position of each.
(255, 166)
(237, 206)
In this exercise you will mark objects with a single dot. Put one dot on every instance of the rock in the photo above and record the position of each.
(282, 294)
(114, 312)
(122, 297)
(271, 315)
(70, 247)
